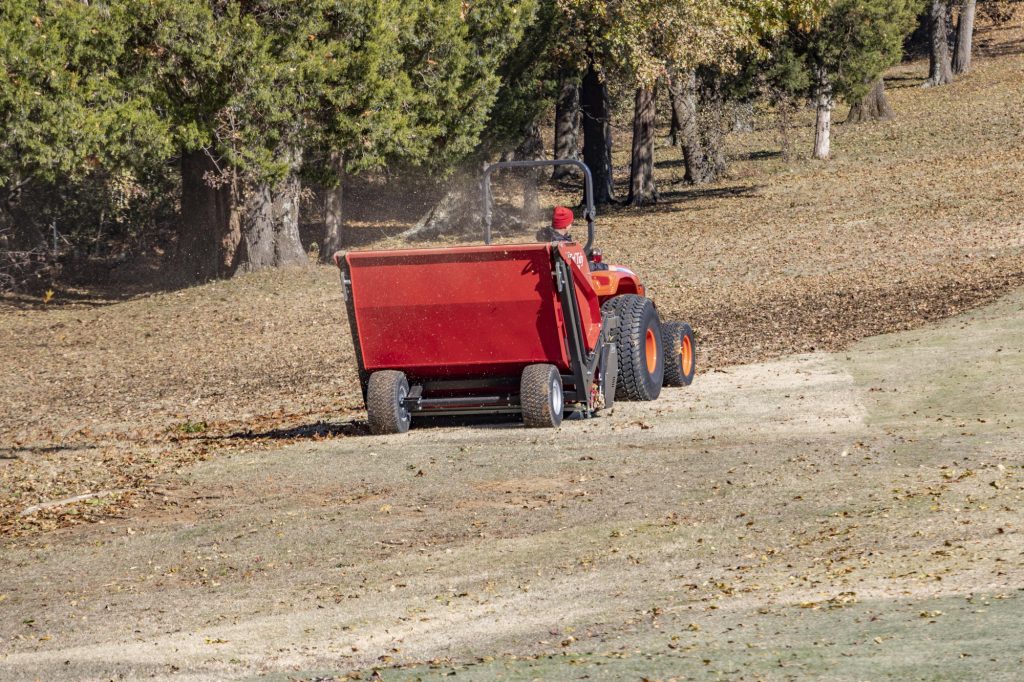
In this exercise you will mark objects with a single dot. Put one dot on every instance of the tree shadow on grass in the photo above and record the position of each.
(675, 200)
(668, 163)
(321, 430)
(93, 296)
(989, 48)
(901, 82)
(759, 155)
(316, 430)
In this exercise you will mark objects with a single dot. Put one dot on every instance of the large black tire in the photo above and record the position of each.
(641, 361)
(680, 353)
(541, 397)
(385, 406)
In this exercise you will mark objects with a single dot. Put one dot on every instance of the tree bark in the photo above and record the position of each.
(270, 227)
(642, 189)
(567, 126)
(683, 89)
(674, 126)
(823, 127)
(874, 106)
(964, 38)
(208, 219)
(715, 120)
(334, 219)
(225, 230)
(597, 135)
(940, 71)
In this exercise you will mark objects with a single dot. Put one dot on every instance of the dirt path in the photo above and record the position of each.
(913, 220)
(823, 515)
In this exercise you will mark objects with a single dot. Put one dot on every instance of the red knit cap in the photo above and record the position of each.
(562, 218)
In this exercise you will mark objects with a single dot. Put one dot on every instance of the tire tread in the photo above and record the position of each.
(672, 334)
(632, 384)
(382, 411)
(535, 397)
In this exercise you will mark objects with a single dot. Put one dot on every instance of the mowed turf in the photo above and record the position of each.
(834, 516)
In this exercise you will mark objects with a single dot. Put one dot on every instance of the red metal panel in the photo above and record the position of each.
(586, 297)
(471, 312)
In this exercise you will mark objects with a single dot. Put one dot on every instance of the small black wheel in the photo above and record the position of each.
(385, 403)
(541, 397)
(680, 353)
(641, 365)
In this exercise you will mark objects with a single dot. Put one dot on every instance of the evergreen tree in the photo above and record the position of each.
(843, 48)
(67, 111)
(257, 90)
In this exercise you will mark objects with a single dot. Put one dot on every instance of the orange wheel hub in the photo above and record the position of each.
(686, 351)
(651, 349)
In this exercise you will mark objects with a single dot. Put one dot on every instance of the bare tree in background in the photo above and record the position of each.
(940, 70)
(964, 38)
(595, 105)
(567, 126)
(642, 190)
(683, 95)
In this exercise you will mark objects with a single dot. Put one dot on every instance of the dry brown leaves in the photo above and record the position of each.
(912, 221)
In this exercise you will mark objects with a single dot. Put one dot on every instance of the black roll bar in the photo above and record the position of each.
(588, 193)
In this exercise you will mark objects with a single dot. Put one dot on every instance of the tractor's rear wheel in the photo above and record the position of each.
(680, 353)
(385, 402)
(641, 361)
(541, 397)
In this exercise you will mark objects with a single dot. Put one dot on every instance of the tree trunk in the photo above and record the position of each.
(567, 126)
(208, 219)
(683, 89)
(460, 207)
(597, 135)
(823, 127)
(874, 106)
(940, 71)
(674, 127)
(225, 230)
(964, 38)
(715, 119)
(642, 190)
(270, 227)
(334, 219)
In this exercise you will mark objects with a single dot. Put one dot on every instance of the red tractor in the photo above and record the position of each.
(543, 330)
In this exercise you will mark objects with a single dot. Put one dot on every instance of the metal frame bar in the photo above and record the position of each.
(350, 307)
(584, 365)
(588, 194)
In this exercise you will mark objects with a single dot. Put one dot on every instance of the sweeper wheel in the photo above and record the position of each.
(385, 402)
(541, 398)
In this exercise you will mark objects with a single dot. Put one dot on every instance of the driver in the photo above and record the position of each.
(561, 221)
